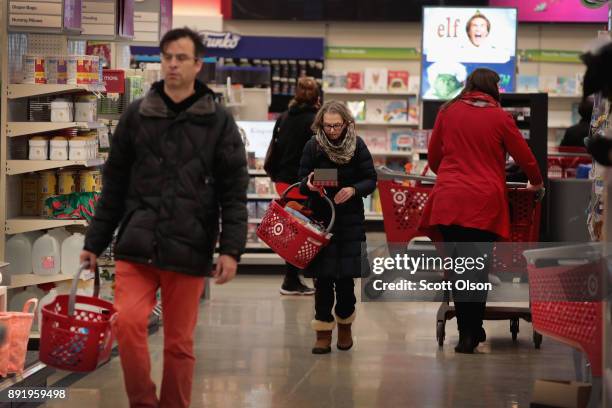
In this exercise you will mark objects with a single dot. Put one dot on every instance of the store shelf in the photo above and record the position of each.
(14, 167)
(257, 172)
(565, 96)
(373, 216)
(28, 128)
(15, 91)
(254, 220)
(30, 279)
(262, 196)
(27, 224)
(340, 91)
(387, 124)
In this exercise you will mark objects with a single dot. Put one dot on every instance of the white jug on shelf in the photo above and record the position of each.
(19, 254)
(46, 259)
(60, 233)
(71, 251)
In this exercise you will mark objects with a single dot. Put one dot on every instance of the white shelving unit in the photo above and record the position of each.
(14, 167)
(14, 129)
(360, 92)
(26, 224)
(262, 196)
(30, 279)
(387, 124)
(16, 91)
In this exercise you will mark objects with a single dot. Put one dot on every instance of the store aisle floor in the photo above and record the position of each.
(253, 350)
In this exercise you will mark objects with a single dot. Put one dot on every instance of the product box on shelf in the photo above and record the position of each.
(334, 80)
(396, 111)
(354, 81)
(413, 110)
(357, 109)
(262, 207)
(252, 209)
(402, 140)
(398, 81)
(375, 80)
(377, 140)
(375, 110)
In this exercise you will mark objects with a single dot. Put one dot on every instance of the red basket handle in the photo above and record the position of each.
(326, 198)
(75, 283)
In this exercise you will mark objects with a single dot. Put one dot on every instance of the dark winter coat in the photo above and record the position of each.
(166, 179)
(345, 256)
(292, 132)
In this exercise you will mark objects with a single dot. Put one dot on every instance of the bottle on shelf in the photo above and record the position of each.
(71, 249)
(46, 255)
(19, 254)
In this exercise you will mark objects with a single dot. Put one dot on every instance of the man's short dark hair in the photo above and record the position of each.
(178, 33)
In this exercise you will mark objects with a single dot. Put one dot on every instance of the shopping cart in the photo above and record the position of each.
(291, 240)
(403, 197)
(76, 331)
(563, 161)
(566, 292)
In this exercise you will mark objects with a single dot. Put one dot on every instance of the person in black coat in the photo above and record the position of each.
(291, 132)
(336, 146)
(574, 135)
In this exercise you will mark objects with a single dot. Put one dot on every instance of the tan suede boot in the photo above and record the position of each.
(345, 334)
(324, 336)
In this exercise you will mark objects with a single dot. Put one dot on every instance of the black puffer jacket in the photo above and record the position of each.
(345, 256)
(293, 131)
(166, 180)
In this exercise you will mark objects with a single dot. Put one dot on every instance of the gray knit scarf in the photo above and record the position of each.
(340, 153)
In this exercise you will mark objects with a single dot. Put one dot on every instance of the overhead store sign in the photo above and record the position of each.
(152, 19)
(51, 14)
(411, 54)
(99, 17)
(572, 57)
(221, 41)
(254, 47)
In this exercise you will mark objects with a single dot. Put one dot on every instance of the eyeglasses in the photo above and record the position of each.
(334, 127)
(180, 58)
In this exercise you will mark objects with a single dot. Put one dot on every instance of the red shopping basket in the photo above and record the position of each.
(561, 280)
(291, 240)
(76, 333)
(17, 326)
(402, 205)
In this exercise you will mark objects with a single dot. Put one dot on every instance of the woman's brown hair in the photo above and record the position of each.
(306, 93)
(483, 80)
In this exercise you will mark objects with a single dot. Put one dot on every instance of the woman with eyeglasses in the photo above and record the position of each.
(468, 204)
(337, 146)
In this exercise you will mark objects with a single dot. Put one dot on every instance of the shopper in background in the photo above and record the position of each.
(336, 146)
(468, 203)
(176, 160)
(291, 132)
(575, 135)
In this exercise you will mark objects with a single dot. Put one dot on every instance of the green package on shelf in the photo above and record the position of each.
(73, 205)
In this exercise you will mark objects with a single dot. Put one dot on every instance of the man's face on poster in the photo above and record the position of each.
(446, 85)
(478, 31)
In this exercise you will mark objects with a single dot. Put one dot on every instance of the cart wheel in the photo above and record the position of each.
(440, 332)
(514, 328)
(537, 339)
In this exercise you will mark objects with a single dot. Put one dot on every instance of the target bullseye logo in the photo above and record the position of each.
(278, 229)
(399, 197)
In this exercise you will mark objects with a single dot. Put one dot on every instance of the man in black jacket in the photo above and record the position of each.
(176, 161)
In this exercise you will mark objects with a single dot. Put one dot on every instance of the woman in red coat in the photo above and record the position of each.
(468, 203)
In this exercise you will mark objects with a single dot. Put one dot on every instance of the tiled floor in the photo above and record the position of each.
(253, 350)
